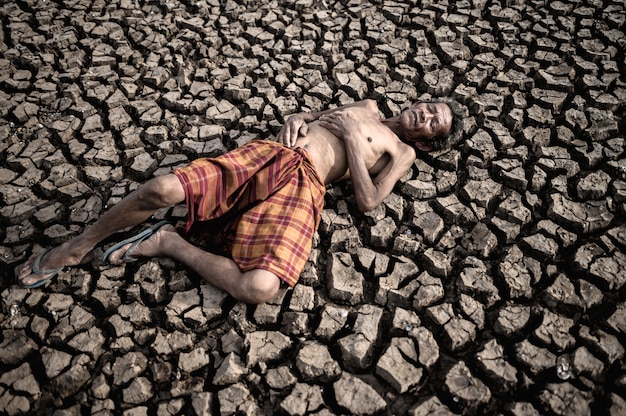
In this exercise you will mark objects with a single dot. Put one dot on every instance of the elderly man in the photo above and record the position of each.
(265, 198)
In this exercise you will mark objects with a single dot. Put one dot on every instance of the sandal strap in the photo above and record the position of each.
(36, 267)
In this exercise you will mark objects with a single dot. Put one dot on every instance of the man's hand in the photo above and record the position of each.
(340, 123)
(295, 126)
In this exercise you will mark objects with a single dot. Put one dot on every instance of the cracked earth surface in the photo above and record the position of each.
(491, 281)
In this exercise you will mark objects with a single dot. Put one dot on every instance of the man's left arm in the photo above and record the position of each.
(370, 192)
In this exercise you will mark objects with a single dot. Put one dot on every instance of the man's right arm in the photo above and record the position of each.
(296, 124)
(369, 192)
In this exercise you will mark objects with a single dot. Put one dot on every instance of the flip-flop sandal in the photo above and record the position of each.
(36, 268)
(135, 240)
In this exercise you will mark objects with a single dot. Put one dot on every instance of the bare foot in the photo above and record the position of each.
(150, 247)
(51, 261)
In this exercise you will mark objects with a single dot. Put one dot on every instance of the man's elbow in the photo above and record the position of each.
(366, 205)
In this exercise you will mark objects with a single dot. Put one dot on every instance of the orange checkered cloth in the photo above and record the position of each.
(265, 199)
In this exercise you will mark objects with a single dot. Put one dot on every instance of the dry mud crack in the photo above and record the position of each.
(492, 281)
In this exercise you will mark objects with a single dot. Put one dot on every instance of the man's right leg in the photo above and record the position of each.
(253, 286)
(134, 209)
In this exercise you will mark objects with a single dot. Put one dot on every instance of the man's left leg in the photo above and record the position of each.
(254, 286)
(138, 206)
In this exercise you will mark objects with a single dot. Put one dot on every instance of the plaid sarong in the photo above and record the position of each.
(265, 198)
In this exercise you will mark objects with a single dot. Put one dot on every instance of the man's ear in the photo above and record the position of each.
(424, 146)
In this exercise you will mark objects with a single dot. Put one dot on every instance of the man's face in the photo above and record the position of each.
(425, 121)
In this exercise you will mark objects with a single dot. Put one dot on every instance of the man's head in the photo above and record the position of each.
(433, 125)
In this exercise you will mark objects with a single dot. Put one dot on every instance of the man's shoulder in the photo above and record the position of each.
(371, 104)
(368, 105)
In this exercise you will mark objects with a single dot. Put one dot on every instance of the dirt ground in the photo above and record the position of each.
(492, 281)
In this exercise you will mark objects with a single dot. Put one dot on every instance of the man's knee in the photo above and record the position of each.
(162, 191)
(262, 286)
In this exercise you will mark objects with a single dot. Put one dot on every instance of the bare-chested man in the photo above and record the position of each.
(265, 197)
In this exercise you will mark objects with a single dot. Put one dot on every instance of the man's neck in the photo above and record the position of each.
(393, 124)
